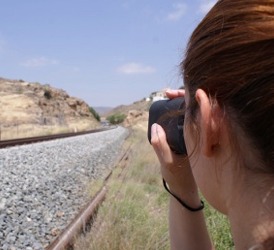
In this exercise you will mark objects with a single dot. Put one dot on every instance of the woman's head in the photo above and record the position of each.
(230, 56)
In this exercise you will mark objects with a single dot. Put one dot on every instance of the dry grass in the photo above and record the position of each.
(134, 214)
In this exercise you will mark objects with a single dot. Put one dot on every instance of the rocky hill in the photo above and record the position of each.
(33, 106)
(136, 113)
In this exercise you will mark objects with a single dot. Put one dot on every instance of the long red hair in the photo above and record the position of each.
(230, 55)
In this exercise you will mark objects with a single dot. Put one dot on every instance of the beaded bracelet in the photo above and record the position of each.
(183, 203)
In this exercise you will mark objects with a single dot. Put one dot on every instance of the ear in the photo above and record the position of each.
(209, 124)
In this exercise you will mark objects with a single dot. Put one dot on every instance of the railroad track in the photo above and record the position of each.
(66, 238)
(29, 140)
(38, 181)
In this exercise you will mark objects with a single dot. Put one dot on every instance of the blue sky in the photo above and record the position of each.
(106, 52)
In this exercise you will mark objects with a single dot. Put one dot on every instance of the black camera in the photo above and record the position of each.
(170, 115)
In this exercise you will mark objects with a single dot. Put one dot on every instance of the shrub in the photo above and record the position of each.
(95, 114)
(116, 118)
(47, 94)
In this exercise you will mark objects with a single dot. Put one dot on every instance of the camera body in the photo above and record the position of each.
(170, 115)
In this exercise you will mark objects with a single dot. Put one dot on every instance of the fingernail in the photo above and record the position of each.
(154, 130)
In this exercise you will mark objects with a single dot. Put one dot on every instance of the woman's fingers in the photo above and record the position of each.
(160, 145)
(173, 93)
(175, 169)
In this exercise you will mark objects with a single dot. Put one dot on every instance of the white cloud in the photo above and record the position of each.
(206, 5)
(39, 62)
(135, 68)
(178, 12)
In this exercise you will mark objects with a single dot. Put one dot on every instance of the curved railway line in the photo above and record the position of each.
(29, 140)
(79, 224)
(84, 217)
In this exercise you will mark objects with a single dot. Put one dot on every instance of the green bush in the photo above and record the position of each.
(95, 114)
(116, 118)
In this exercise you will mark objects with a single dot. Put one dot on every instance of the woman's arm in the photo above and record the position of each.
(187, 229)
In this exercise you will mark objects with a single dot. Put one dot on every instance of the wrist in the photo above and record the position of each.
(187, 191)
(190, 202)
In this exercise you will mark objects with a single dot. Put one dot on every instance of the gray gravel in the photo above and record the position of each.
(43, 185)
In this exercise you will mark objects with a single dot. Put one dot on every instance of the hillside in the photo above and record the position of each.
(34, 108)
(102, 110)
(136, 113)
(141, 105)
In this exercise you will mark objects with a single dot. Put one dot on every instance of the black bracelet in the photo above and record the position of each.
(183, 203)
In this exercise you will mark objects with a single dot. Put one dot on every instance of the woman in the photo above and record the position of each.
(229, 128)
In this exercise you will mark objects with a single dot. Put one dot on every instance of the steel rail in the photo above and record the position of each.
(66, 239)
(29, 140)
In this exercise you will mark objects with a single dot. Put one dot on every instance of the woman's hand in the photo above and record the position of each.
(175, 168)
(173, 93)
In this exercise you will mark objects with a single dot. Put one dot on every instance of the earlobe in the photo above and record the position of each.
(209, 128)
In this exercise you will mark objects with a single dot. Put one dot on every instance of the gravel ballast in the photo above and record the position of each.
(44, 185)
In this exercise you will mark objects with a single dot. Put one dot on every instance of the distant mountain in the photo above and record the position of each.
(102, 110)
